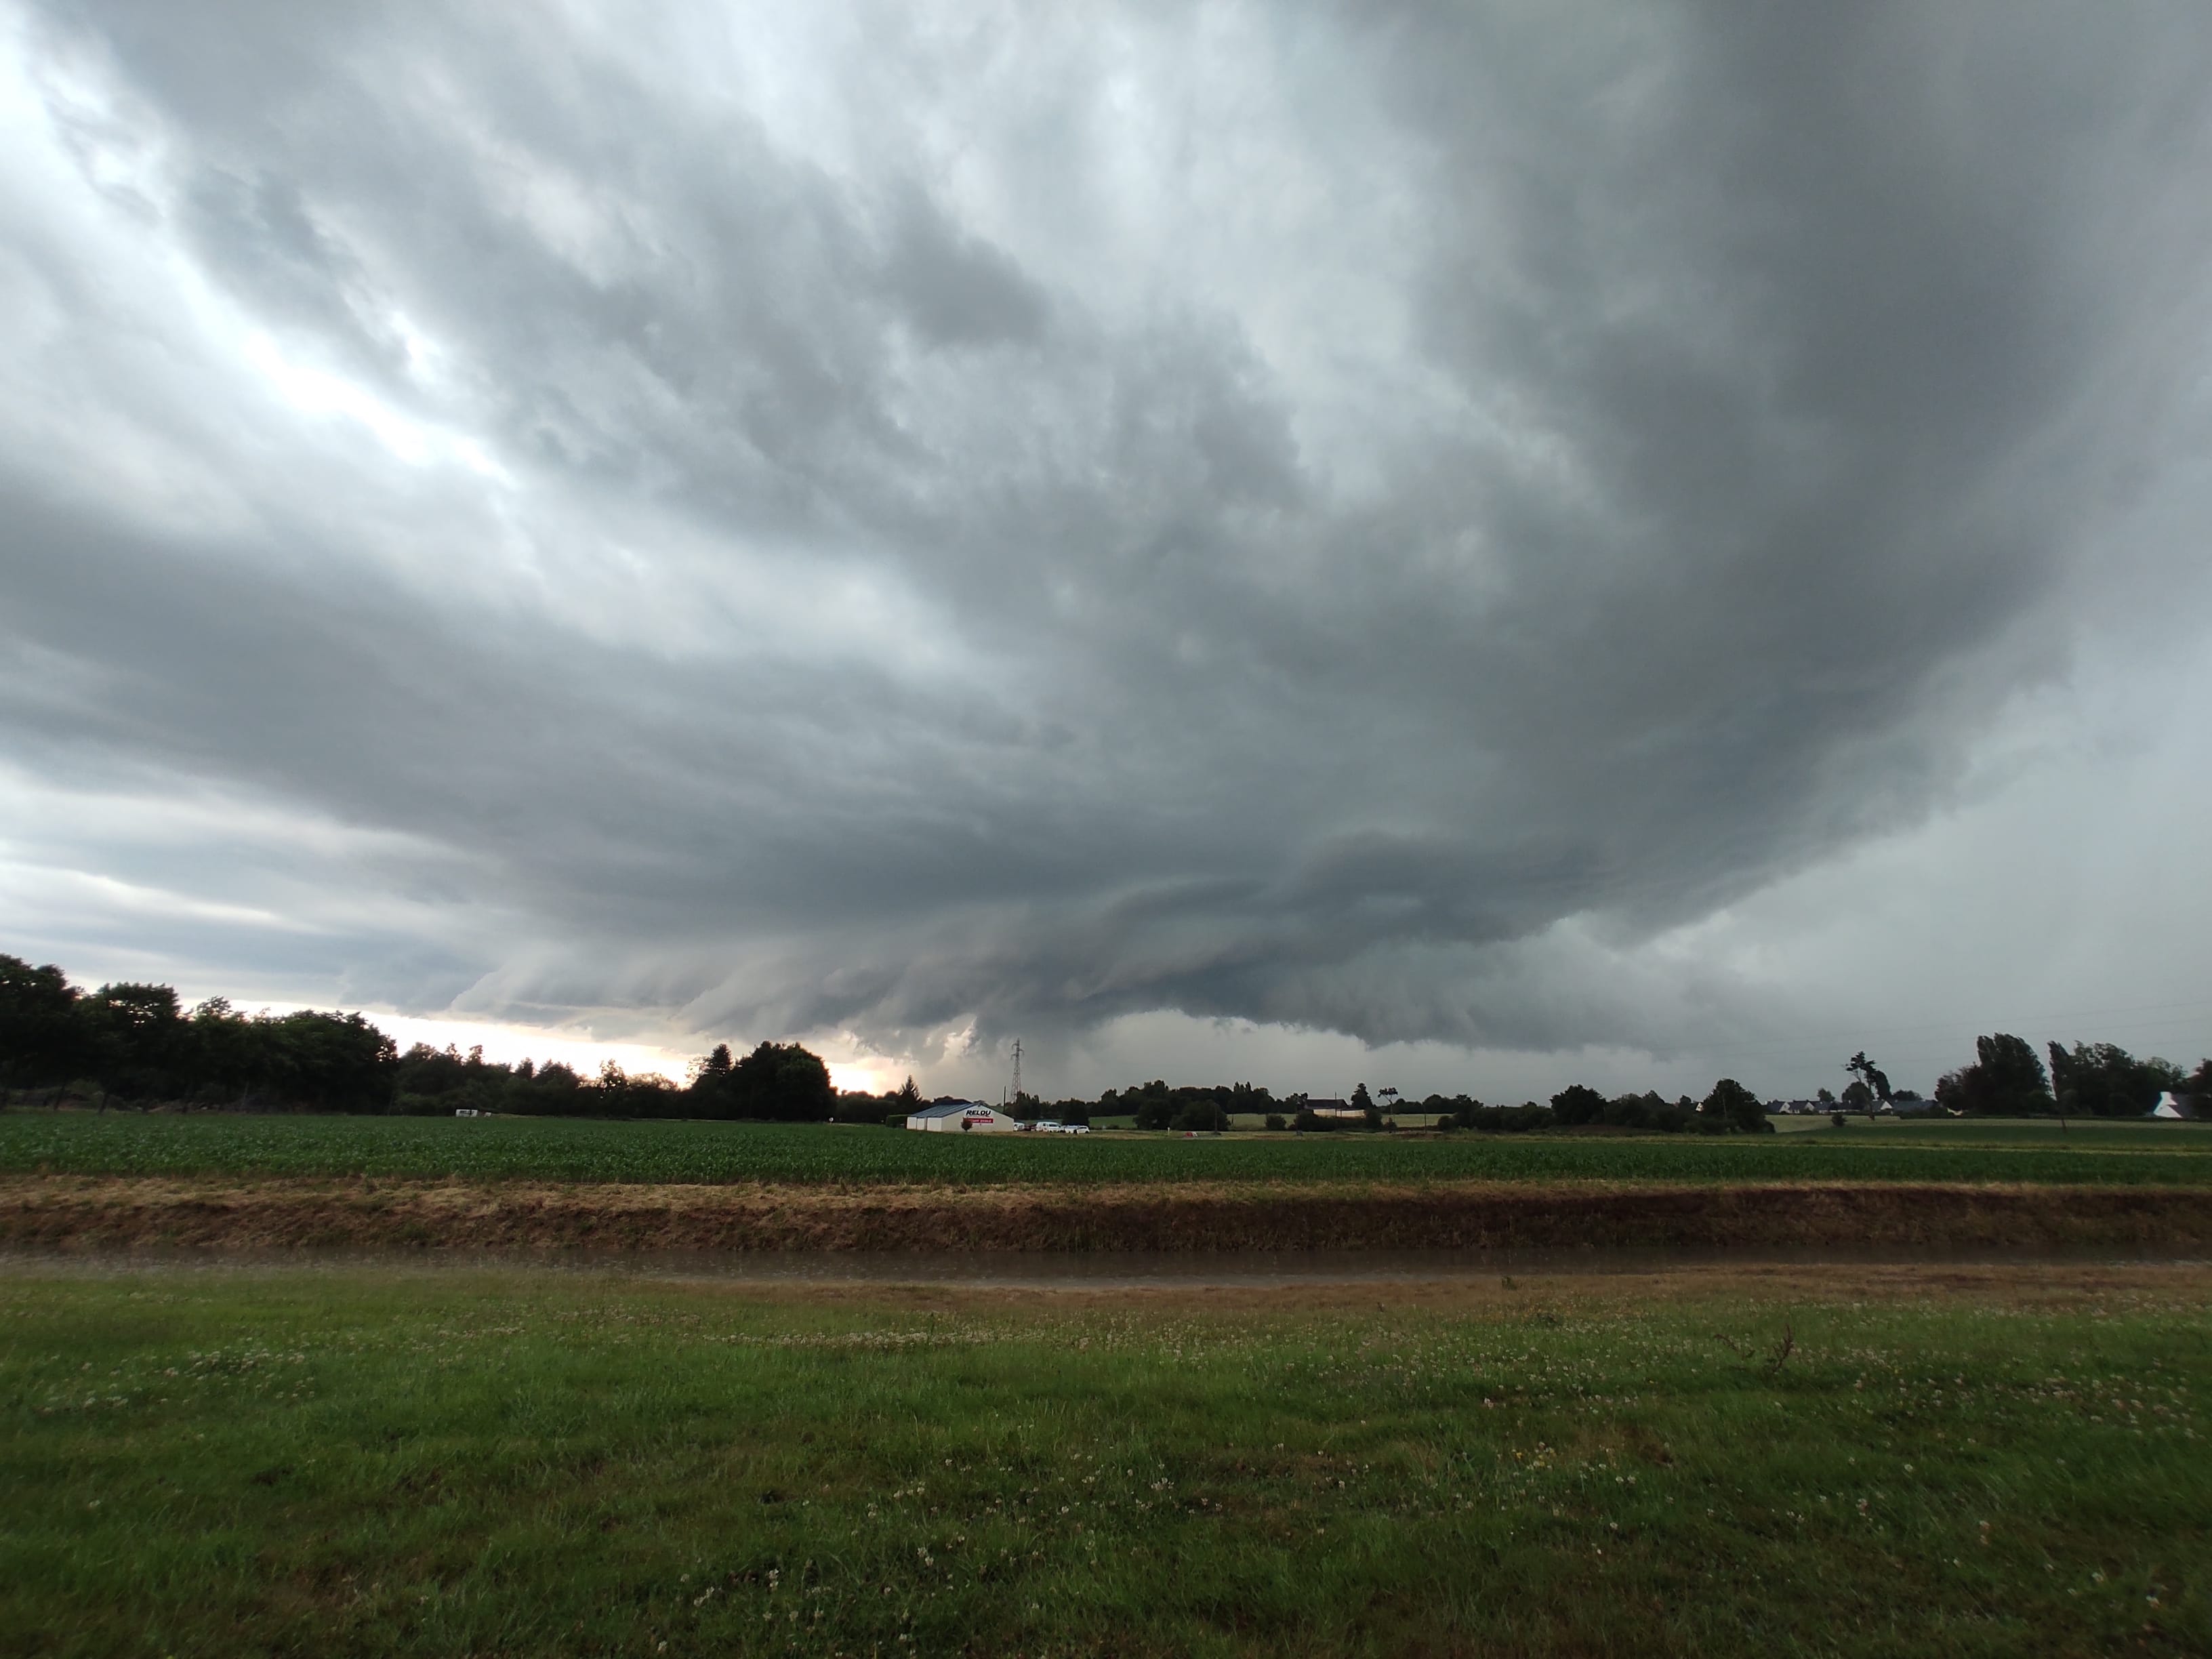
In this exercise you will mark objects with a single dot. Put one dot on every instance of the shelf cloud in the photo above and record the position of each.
(905, 520)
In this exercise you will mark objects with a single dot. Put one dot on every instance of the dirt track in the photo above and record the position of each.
(73, 1213)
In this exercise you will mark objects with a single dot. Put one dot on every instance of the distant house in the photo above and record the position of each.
(962, 1116)
(1343, 1109)
(2172, 1105)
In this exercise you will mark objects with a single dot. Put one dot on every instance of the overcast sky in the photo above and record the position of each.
(1467, 548)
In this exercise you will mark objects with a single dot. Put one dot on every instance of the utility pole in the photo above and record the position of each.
(1017, 1074)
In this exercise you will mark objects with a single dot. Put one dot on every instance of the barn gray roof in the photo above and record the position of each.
(951, 1108)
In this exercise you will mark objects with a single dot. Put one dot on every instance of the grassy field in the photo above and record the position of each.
(1855, 1461)
(548, 1149)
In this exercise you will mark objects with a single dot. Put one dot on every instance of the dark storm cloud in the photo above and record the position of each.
(956, 289)
(888, 609)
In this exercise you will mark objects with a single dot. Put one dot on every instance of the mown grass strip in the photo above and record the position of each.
(341, 1463)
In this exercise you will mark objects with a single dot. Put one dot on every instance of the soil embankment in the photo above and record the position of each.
(67, 1212)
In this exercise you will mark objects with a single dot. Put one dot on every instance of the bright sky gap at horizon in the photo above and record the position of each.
(1465, 548)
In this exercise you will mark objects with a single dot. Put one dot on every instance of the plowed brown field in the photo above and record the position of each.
(87, 1211)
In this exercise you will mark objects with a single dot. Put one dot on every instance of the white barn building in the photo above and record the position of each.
(958, 1116)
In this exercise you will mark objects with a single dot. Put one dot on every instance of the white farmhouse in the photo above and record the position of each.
(958, 1117)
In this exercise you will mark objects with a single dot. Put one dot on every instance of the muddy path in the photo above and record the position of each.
(46, 1213)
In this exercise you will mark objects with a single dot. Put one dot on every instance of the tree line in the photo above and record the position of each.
(2007, 1079)
(1729, 1107)
(137, 1044)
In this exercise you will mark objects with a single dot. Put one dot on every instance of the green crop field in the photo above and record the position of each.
(119, 1143)
(284, 1461)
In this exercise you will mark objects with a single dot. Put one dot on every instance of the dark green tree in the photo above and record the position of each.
(1248, 1098)
(137, 1032)
(1577, 1103)
(42, 1040)
(2197, 1087)
(784, 1083)
(2065, 1091)
(1201, 1115)
(781, 1082)
(1731, 1107)
(1877, 1085)
(1151, 1104)
(2102, 1079)
(710, 1074)
(2006, 1080)
(334, 1062)
(226, 1051)
(1648, 1111)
